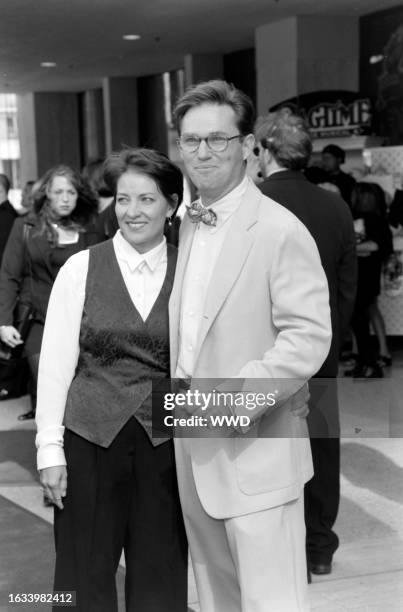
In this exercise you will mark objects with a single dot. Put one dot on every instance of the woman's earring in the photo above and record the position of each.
(169, 219)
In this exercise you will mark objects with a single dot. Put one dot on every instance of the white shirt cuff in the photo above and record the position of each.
(49, 443)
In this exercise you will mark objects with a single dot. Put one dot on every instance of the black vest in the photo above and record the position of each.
(119, 352)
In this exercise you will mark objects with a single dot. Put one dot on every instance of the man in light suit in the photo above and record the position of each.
(250, 301)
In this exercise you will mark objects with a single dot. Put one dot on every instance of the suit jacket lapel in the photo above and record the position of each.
(185, 244)
(39, 242)
(235, 249)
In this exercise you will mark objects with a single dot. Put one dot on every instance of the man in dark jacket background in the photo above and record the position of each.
(333, 157)
(284, 150)
(8, 214)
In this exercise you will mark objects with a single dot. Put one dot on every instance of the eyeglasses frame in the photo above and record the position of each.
(205, 138)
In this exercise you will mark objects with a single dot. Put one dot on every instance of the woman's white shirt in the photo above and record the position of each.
(143, 275)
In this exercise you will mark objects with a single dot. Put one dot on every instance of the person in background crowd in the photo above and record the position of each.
(60, 224)
(27, 197)
(378, 325)
(113, 484)
(319, 177)
(93, 173)
(285, 148)
(374, 245)
(375, 316)
(8, 214)
(395, 216)
(250, 301)
(332, 158)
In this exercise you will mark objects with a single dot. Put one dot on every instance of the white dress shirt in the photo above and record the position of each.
(206, 246)
(143, 275)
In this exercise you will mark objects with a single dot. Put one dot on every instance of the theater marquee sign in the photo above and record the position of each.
(332, 113)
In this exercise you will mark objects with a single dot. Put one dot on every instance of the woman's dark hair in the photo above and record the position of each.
(152, 163)
(286, 136)
(5, 182)
(368, 198)
(84, 211)
(221, 93)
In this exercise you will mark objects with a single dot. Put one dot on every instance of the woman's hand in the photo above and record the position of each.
(54, 483)
(10, 336)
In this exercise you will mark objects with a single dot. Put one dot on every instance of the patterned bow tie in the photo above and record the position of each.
(197, 212)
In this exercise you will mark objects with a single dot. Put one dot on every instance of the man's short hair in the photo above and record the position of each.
(336, 151)
(221, 93)
(286, 136)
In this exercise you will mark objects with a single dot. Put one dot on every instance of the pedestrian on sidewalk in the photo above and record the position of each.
(60, 224)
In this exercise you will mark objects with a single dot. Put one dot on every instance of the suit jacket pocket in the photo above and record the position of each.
(266, 465)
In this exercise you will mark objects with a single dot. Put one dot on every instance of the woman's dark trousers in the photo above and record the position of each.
(121, 497)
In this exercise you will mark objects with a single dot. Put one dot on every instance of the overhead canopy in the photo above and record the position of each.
(84, 37)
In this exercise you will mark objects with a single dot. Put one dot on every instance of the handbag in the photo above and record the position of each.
(14, 370)
(22, 323)
(14, 375)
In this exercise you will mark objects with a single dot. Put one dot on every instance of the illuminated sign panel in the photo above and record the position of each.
(332, 113)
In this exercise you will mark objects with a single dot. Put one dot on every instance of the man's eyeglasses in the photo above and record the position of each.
(215, 142)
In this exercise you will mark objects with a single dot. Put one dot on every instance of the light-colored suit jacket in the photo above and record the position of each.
(266, 316)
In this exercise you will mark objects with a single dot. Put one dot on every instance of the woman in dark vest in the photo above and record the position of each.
(61, 223)
(106, 339)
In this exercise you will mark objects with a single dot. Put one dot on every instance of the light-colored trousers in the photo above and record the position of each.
(251, 563)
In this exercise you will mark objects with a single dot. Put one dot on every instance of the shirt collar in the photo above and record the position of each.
(276, 171)
(133, 258)
(228, 204)
(235, 193)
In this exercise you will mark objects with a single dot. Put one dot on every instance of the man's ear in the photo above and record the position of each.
(248, 144)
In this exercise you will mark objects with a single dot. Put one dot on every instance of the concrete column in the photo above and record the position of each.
(93, 125)
(276, 47)
(328, 53)
(120, 112)
(240, 69)
(153, 128)
(57, 123)
(203, 67)
(27, 137)
(298, 55)
(49, 130)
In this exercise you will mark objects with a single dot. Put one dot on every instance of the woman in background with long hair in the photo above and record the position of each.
(60, 224)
